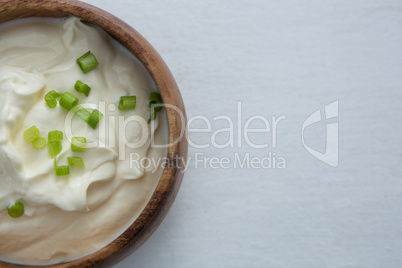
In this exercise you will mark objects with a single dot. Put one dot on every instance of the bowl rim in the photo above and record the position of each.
(170, 181)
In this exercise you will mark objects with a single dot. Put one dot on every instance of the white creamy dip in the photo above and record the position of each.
(67, 217)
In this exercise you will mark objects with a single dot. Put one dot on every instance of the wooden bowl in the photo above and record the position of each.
(169, 184)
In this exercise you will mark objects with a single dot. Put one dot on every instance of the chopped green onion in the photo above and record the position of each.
(39, 143)
(75, 161)
(81, 87)
(68, 101)
(94, 118)
(155, 98)
(55, 135)
(50, 101)
(155, 102)
(127, 102)
(31, 134)
(78, 144)
(16, 210)
(54, 163)
(54, 94)
(152, 115)
(51, 98)
(62, 170)
(54, 148)
(83, 113)
(87, 62)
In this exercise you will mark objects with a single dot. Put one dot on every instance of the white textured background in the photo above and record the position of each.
(283, 58)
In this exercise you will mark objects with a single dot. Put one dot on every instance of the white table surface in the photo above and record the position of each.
(282, 58)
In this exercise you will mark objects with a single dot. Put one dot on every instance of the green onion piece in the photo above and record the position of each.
(50, 101)
(54, 148)
(16, 210)
(39, 143)
(54, 163)
(68, 101)
(81, 87)
(62, 170)
(51, 98)
(78, 144)
(87, 62)
(75, 161)
(55, 135)
(127, 102)
(83, 113)
(154, 99)
(31, 134)
(94, 118)
(54, 94)
(152, 115)
(155, 102)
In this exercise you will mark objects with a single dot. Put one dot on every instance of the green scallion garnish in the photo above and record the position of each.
(31, 134)
(50, 101)
(152, 115)
(75, 161)
(127, 102)
(78, 144)
(81, 87)
(54, 94)
(155, 102)
(94, 118)
(39, 143)
(68, 101)
(16, 210)
(51, 98)
(54, 148)
(155, 98)
(62, 170)
(87, 62)
(83, 113)
(55, 135)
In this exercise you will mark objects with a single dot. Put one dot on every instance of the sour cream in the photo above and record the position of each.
(71, 216)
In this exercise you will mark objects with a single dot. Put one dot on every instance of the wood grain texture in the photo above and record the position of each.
(171, 179)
